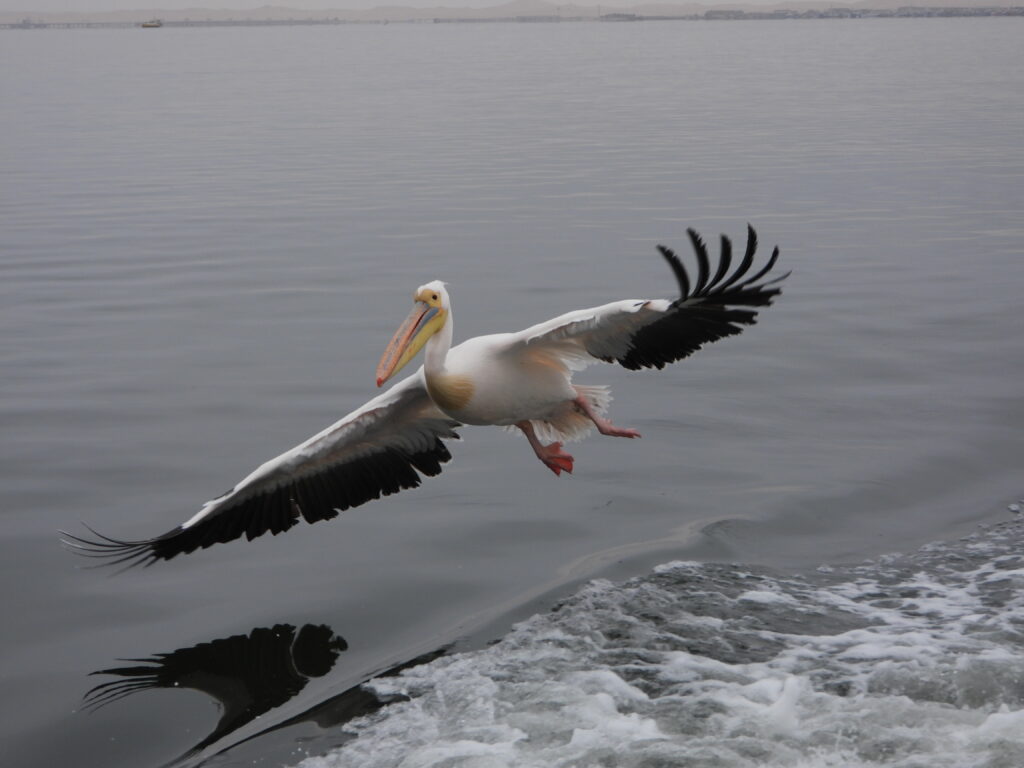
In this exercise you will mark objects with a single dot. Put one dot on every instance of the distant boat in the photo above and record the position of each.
(152, 24)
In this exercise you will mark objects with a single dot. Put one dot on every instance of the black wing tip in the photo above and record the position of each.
(720, 304)
(110, 550)
(727, 284)
(676, 265)
(695, 238)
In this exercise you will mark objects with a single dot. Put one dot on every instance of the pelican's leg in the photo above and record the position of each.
(552, 455)
(604, 426)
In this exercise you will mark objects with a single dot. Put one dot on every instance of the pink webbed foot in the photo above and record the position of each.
(604, 426)
(555, 459)
(552, 455)
(607, 428)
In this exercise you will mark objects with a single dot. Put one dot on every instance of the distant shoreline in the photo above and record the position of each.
(710, 15)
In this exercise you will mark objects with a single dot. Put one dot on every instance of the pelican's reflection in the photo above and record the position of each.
(248, 675)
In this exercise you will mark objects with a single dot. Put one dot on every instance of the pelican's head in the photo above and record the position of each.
(428, 316)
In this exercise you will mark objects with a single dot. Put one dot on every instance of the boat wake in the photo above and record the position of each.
(907, 661)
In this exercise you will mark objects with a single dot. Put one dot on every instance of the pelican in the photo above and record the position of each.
(522, 381)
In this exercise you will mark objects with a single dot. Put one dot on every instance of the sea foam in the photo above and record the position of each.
(911, 661)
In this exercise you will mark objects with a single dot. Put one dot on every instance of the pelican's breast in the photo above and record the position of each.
(450, 391)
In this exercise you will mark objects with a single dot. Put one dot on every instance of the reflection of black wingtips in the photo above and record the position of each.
(271, 665)
(247, 675)
(315, 649)
(133, 679)
(265, 663)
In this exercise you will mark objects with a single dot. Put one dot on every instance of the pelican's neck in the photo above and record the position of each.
(436, 349)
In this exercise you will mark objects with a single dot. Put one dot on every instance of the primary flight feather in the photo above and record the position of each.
(519, 380)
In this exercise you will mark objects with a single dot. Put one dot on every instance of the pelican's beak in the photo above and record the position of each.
(422, 323)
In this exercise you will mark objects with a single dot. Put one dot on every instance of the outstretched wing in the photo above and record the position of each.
(652, 333)
(375, 451)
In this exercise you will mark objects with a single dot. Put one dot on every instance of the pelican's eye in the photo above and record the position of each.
(433, 297)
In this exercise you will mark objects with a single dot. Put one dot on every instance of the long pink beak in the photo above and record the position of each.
(400, 341)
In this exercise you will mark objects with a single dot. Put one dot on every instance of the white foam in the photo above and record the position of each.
(908, 662)
(766, 597)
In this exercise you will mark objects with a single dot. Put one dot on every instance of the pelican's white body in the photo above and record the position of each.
(527, 376)
(508, 385)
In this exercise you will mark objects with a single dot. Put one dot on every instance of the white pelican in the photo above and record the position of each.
(519, 380)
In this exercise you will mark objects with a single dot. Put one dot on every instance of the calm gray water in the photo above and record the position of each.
(208, 235)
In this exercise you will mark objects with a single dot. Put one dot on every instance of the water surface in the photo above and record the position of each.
(209, 235)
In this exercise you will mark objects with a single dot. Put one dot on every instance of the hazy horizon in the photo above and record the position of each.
(103, 6)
